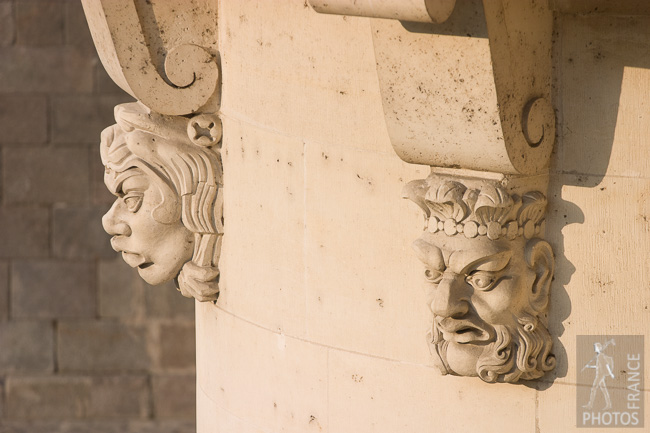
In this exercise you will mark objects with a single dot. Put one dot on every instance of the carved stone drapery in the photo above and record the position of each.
(466, 89)
(162, 158)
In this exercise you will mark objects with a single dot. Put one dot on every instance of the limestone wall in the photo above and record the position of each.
(599, 190)
(84, 344)
(321, 321)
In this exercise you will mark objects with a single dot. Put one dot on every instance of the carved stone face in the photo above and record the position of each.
(146, 225)
(485, 297)
(167, 220)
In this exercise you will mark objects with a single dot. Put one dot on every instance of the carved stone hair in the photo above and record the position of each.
(486, 211)
(161, 144)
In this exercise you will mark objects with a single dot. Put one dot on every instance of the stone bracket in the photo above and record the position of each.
(496, 93)
(520, 35)
(129, 48)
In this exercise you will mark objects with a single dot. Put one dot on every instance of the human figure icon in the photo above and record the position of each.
(604, 366)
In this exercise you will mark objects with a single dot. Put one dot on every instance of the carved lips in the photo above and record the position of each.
(135, 260)
(462, 331)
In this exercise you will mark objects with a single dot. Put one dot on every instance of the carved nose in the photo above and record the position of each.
(113, 225)
(450, 298)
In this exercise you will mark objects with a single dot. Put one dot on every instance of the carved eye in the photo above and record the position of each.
(133, 202)
(481, 280)
(433, 276)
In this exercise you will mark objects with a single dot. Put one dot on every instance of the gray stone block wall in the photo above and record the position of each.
(85, 345)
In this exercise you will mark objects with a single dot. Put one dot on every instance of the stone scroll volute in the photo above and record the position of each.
(162, 157)
(162, 53)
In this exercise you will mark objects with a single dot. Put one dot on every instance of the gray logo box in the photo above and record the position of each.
(610, 381)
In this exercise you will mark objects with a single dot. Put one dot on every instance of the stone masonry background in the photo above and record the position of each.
(85, 345)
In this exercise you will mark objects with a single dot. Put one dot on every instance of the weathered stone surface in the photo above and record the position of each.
(177, 346)
(220, 420)
(611, 140)
(240, 380)
(120, 397)
(137, 35)
(81, 118)
(121, 291)
(25, 232)
(52, 289)
(78, 234)
(77, 397)
(7, 23)
(102, 346)
(27, 346)
(23, 118)
(364, 392)
(98, 427)
(4, 290)
(174, 396)
(277, 304)
(360, 124)
(416, 11)
(45, 175)
(39, 22)
(41, 69)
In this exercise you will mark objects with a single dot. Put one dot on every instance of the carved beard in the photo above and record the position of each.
(520, 353)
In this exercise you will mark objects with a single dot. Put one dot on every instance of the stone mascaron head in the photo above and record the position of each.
(167, 217)
(489, 277)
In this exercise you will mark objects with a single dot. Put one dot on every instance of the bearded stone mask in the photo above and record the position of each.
(489, 275)
(167, 217)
